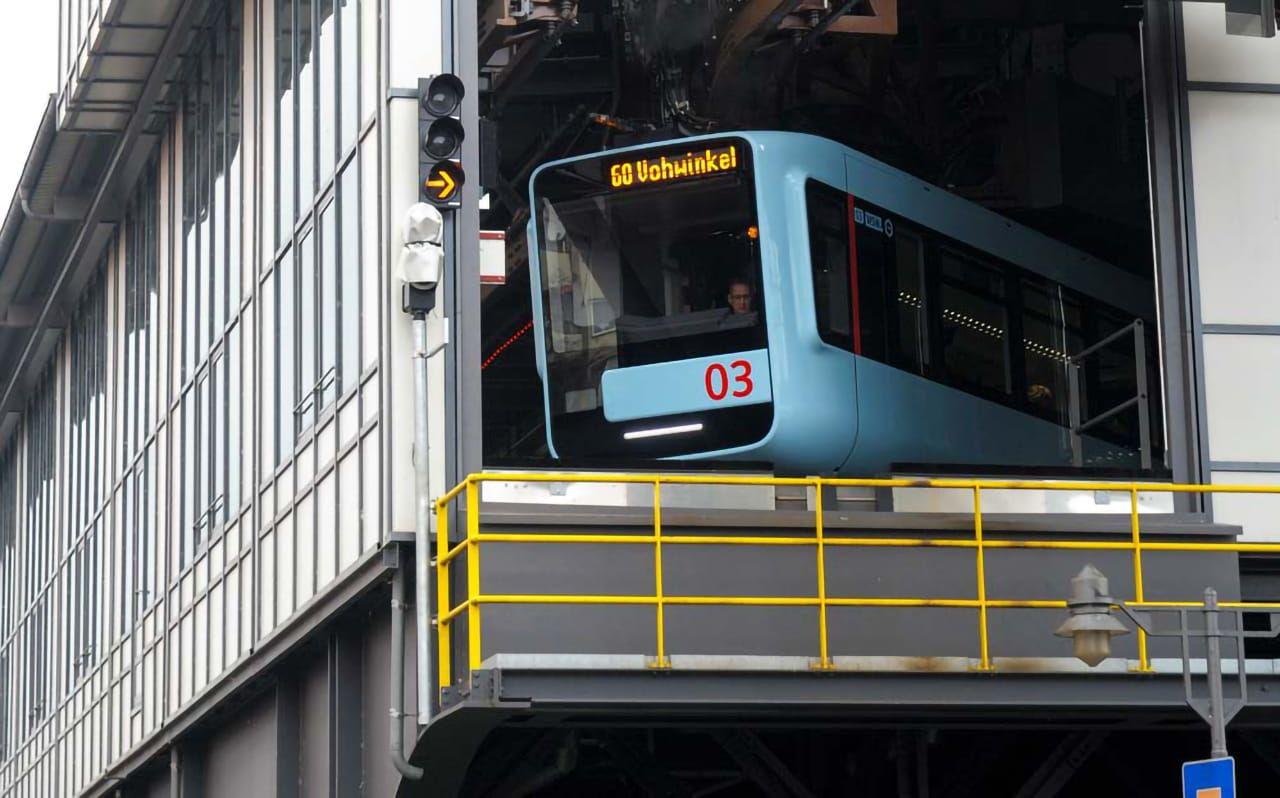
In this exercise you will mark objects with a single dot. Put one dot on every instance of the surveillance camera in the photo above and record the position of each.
(423, 224)
(422, 259)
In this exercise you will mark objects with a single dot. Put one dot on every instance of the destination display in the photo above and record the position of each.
(670, 168)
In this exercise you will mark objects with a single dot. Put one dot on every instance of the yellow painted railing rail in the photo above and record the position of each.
(819, 538)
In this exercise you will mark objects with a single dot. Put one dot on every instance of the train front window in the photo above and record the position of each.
(644, 274)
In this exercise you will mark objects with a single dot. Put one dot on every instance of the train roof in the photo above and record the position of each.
(937, 209)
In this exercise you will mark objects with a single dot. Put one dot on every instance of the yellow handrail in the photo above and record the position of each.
(475, 598)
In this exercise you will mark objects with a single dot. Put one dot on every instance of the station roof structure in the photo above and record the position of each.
(93, 141)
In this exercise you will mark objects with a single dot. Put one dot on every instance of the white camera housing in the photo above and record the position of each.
(422, 259)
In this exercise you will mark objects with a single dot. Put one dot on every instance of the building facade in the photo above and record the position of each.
(206, 458)
(202, 454)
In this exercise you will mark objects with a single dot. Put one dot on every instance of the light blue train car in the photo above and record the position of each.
(778, 298)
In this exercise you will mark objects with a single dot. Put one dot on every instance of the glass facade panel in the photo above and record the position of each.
(287, 306)
(348, 73)
(326, 386)
(304, 75)
(129, 577)
(348, 298)
(305, 399)
(327, 88)
(286, 155)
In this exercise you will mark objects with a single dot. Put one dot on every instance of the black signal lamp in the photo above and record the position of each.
(444, 138)
(443, 95)
(440, 137)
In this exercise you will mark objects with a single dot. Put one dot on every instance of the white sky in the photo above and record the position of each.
(28, 74)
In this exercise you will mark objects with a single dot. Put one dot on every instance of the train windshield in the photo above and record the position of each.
(646, 258)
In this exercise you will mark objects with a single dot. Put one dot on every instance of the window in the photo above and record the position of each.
(305, 400)
(643, 275)
(318, 59)
(909, 337)
(974, 327)
(88, 351)
(892, 297)
(285, 186)
(141, 269)
(936, 307)
(829, 258)
(1052, 331)
(6, 690)
(37, 659)
(8, 567)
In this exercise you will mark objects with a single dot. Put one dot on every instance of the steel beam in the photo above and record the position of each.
(761, 765)
(640, 766)
(1086, 698)
(750, 25)
(1060, 766)
(882, 21)
(552, 757)
(981, 761)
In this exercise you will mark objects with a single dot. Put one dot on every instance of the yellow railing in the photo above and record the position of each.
(470, 547)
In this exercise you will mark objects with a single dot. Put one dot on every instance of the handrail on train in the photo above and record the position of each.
(474, 599)
(1080, 425)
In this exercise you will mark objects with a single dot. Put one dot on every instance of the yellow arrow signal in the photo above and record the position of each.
(443, 183)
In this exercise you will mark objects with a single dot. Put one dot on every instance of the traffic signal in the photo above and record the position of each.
(440, 135)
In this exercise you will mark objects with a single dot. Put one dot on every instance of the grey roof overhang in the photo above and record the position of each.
(92, 144)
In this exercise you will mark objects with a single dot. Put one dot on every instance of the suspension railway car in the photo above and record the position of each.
(777, 297)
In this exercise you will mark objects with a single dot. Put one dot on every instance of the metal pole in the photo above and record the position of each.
(397, 679)
(422, 528)
(1217, 719)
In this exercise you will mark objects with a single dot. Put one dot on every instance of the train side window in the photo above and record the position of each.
(829, 259)
(911, 340)
(1052, 331)
(890, 267)
(974, 325)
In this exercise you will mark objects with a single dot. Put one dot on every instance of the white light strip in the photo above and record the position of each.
(660, 431)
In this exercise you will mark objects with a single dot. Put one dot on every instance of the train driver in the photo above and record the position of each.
(740, 296)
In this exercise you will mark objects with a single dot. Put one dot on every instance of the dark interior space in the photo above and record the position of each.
(1032, 108)
(950, 760)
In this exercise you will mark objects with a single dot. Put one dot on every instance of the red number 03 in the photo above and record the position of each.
(717, 381)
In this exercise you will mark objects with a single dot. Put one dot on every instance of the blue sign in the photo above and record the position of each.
(1209, 778)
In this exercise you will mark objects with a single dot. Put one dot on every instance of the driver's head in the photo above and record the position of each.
(739, 296)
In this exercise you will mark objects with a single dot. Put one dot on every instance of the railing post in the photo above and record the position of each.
(984, 650)
(1075, 412)
(661, 661)
(824, 655)
(1144, 663)
(473, 575)
(444, 652)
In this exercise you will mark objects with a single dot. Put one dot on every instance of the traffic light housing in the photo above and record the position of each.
(440, 137)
